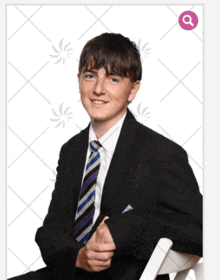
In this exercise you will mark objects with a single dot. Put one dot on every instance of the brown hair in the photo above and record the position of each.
(116, 53)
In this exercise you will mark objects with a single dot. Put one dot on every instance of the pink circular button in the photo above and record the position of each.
(188, 20)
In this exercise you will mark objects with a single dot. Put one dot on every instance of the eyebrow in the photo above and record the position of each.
(115, 74)
(87, 70)
(109, 74)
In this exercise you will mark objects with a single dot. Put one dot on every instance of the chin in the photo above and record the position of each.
(99, 118)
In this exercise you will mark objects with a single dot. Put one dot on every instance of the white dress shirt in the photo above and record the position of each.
(108, 142)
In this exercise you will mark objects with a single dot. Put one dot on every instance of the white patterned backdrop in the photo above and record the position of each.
(44, 109)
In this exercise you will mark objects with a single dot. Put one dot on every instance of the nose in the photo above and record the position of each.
(99, 87)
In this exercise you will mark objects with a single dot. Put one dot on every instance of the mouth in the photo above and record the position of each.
(98, 101)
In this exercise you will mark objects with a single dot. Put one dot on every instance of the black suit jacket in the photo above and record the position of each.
(147, 171)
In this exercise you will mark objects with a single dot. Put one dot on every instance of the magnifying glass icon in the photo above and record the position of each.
(188, 22)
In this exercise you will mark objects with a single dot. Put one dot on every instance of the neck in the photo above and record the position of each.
(101, 127)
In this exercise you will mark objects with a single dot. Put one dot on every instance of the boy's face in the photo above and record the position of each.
(105, 98)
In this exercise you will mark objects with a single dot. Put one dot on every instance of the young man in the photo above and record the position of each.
(120, 186)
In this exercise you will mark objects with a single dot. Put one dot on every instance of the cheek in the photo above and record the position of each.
(85, 96)
(85, 88)
(121, 98)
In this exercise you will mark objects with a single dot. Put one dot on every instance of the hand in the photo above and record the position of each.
(103, 235)
(94, 257)
(98, 251)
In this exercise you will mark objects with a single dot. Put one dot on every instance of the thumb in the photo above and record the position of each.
(103, 221)
(106, 218)
(93, 237)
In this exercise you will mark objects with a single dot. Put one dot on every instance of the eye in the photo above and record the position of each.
(114, 80)
(89, 76)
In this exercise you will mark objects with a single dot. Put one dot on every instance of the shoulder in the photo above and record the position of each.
(76, 141)
(157, 144)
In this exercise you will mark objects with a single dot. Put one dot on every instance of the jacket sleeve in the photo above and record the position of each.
(55, 238)
(178, 213)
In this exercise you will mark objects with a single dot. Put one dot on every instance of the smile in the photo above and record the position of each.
(98, 101)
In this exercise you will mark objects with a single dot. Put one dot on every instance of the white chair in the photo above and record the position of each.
(164, 261)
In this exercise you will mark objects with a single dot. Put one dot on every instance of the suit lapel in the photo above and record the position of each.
(113, 188)
(78, 158)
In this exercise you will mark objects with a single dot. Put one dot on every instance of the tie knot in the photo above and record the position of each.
(95, 146)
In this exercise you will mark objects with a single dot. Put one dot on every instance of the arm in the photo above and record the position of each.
(178, 213)
(55, 238)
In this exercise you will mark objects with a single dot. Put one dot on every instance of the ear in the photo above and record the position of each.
(134, 89)
(78, 76)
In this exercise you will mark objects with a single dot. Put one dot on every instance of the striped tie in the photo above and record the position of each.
(86, 205)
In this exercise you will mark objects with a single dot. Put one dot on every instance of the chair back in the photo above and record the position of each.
(164, 261)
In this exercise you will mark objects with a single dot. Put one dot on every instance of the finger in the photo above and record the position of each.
(93, 238)
(97, 268)
(99, 265)
(103, 263)
(102, 256)
(102, 222)
(102, 247)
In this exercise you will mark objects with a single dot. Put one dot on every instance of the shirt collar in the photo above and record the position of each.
(110, 138)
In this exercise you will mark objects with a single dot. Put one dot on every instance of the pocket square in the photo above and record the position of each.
(127, 208)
